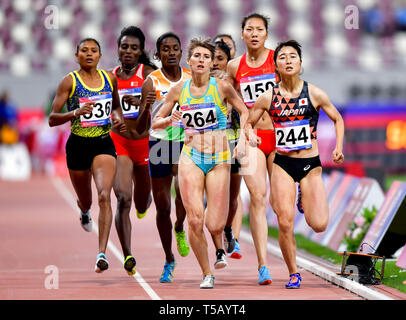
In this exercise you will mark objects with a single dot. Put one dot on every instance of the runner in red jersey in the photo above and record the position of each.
(132, 176)
(252, 74)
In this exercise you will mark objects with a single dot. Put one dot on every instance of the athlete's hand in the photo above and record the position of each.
(150, 99)
(338, 156)
(176, 116)
(219, 74)
(253, 139)
(119, 125)
(131, 100)
(87, 108)
(240, 149)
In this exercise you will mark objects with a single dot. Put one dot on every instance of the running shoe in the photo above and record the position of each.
(182, 243)
(264, 276)
(86, 221)
(167, 273)
(236, 253)
(294, 281)
(299, 200)
(229, 241)
(141, 215)
(221, 261)
(101, 263)
(129, 265)
(208, 282)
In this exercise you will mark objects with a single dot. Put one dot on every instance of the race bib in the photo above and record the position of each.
(129, 110)
(293, 135)
(199, 117)
(253, 87)
(101, 111)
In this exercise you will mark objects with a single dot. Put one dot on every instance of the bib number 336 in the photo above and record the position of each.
(293, 135)
(101, 110)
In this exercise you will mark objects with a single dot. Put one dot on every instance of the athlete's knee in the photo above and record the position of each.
(214, 228)
(162, 202)
(285, 223)
(163, 216)
(258, 198)
(104, 197)
(123, 200)
(195, 222)
(319, 226)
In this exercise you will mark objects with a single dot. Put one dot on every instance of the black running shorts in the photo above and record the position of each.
(297, 168)
(81, 151)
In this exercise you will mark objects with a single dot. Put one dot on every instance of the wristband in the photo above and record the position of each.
(74, 112)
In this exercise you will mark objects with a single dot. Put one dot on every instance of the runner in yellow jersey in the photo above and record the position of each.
(92, 98)
(204, 162)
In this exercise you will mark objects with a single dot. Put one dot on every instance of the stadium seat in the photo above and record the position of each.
(317, 24)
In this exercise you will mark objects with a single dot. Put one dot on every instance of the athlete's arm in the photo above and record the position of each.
(135, 101)
(57, 118)
(321, 100)
(162, 120)
(148, 96)
(232, 98)
(261, 105)
(117, 113)
(232, 67)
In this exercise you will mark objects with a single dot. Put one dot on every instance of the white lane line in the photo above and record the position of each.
(324, 273)
(71, 200)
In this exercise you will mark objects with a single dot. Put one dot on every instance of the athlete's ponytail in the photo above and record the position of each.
(144, 59)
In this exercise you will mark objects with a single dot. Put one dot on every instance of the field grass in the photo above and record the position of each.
(390, 178)
(393, 275)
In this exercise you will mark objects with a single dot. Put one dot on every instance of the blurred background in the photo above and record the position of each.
(355, 50)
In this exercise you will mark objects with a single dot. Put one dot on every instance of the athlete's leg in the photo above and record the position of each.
(235, 183)
(269, 165)
(191, 184)
(81, 182)
(142, 188)
(180, 209)
(314, 200)
(161, 189)
(123, 191)
(217, 195)
(283, 191)
(237, 221)
(104, 169)
(256, 184)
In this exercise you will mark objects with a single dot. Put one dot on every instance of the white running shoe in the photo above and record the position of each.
(221, 261)
(86, 221)
(208, 282)
(101, 263)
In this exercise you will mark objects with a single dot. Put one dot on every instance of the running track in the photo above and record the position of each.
(39, 229)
